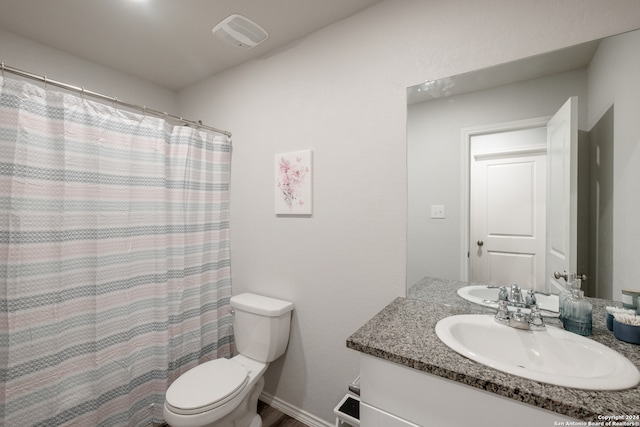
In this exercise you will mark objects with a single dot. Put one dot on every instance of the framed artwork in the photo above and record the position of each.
(293, 191)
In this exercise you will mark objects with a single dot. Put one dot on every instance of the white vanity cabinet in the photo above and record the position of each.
(393, 395)
(374, 417)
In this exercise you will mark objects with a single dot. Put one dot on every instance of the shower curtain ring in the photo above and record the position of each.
(3, 70)
(45, 82)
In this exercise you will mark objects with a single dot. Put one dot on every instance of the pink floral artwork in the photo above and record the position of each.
(293, 183)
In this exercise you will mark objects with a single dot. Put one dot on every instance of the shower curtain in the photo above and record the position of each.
(114, 258)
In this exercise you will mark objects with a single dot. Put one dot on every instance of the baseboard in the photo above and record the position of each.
(293, 412)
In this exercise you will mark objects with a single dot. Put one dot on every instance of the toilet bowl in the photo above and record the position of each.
(224, 392)
(208, 393)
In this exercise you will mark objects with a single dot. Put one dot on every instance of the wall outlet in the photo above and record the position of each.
(437, 211)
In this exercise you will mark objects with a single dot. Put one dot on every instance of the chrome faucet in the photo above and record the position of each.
(529, 321)
(514, 296)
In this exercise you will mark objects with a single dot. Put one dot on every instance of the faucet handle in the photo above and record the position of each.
(502, 315)
(503, 294)
(535, 319)
(530, 299)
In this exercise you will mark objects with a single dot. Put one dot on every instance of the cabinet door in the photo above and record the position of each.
(430, 400)
(374, 417)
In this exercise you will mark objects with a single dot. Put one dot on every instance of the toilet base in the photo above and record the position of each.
(245, 415)
(257, 421)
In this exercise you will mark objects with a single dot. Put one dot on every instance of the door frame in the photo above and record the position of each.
(465, 203)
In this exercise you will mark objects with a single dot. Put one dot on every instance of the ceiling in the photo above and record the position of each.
(167, 42)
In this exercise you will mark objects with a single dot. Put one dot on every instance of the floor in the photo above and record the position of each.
(271, 417)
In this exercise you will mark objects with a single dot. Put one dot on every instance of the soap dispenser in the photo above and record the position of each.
(578, 312)
(566, 292)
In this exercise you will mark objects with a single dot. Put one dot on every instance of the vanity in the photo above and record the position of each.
(409, 377)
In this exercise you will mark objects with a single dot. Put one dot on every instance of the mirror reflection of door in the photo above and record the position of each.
(507, 207)
(562, 188)
(523, 202)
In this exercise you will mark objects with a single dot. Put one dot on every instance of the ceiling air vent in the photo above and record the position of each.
(240, 31)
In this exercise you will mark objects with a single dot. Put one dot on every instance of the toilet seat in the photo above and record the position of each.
(207, 386)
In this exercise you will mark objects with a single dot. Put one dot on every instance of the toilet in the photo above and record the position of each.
(224, 392)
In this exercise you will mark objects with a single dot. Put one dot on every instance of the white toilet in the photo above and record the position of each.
(224, 392)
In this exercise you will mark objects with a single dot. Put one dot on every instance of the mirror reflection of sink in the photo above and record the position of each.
(553, 356)
(480, 294)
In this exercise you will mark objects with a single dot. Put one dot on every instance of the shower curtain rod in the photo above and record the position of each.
(113, 100)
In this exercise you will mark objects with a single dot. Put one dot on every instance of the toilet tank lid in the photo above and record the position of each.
(262, 305)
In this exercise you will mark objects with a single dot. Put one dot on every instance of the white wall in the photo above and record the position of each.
(613, 80)
(341, 93)
(27, 55)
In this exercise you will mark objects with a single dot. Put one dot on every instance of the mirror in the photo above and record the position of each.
(605, 76)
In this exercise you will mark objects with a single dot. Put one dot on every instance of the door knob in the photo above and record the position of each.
(480, 243)
(565, 276)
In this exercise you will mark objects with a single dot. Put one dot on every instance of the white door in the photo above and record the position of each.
(507, 225)
(562, 192)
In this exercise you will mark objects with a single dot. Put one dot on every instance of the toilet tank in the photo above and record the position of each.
(261, 326)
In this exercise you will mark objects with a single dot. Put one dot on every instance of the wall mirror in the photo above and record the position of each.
(465, 189)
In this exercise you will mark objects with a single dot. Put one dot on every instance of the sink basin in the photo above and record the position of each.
(552, 356)
(479, 294)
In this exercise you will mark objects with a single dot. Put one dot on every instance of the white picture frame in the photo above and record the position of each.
(293, 183)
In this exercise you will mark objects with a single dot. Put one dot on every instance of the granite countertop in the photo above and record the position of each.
(404, 333)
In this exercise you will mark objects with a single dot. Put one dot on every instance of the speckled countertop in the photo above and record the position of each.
(404, 333)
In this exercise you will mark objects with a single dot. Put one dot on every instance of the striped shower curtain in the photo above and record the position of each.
(114, 258)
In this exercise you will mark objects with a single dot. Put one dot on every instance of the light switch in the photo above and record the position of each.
(437, 211)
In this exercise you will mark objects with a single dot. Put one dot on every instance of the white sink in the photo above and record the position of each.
(480, 294)
(552, 356)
